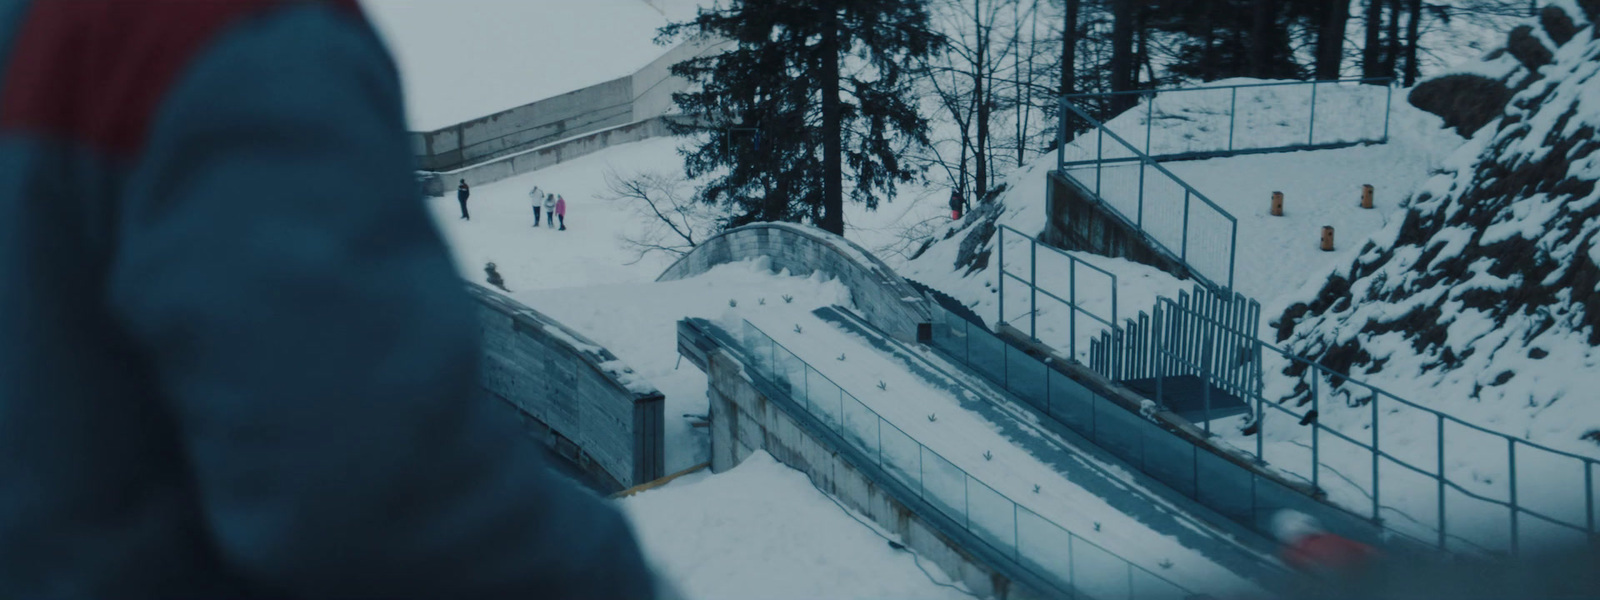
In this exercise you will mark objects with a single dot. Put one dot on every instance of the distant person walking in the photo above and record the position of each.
(537, 196)
(462, 192)
(561, 211)
(550, 209)
(955, 206)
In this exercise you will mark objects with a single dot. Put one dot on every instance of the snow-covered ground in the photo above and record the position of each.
(761, 530)
(464, 59)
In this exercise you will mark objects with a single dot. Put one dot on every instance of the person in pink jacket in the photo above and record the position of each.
(561, 211)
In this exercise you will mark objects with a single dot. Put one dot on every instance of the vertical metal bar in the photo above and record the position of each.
(1376, 515)
(1000, 282)
(966, 500)
(1233, 252)
(1072, 564)
(1233, 112)
(1149, 118)
(1311, 134)
(1388, 102)
(1183, 253)
(1316, 426)
(1072, 296)
(1130, 578)
(880, 441)
(1140, 219)
(1209, 361)
(1511, 459)
(922, 490)
(1033, 289)
(1440, 436)
(1261, 424)
(1016, 534)
(1099, 157)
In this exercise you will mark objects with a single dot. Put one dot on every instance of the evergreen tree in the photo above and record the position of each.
(806, 90)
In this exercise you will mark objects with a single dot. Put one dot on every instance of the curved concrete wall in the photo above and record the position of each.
(583, 402)
(886, 300)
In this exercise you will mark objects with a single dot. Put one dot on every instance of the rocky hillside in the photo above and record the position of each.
(1484, 299)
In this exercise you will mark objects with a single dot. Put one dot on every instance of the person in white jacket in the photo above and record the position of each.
(537, 196)
(550, 209)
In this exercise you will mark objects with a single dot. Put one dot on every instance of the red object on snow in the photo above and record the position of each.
(1329, 554)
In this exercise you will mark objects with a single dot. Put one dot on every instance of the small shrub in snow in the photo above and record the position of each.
(761, 301)
(1035, 488)
(1165, 563)
(1465, 102)
(1557, 25)
(797, 328)
(1097, 526)
(987, 455)
(787, 299)
(882, 385)
(733, 303)
(933, 417)
(841, 357)
(1527, 49)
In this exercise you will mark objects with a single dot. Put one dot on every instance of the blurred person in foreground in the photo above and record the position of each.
(235, 359)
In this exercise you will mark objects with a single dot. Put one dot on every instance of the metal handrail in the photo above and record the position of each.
(1385, 80)
(1015, 552)
(1034, 290)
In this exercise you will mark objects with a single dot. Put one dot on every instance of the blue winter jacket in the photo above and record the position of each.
(235, 360)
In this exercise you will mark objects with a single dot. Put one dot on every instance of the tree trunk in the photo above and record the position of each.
(980, 96)
(1413, 32)
(1261, 24)
(1330, 39)
(1069, 49)
(1372, 51)
(1122, 60)
(832, 127)
(1392, 45)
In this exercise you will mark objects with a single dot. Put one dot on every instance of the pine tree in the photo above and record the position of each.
(807, 90)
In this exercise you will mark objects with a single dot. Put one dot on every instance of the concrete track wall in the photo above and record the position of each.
(887, 301)
(576, 396)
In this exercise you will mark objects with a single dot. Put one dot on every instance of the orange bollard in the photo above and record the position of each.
(1277, 204)
(1327, 238)
(1366, 196)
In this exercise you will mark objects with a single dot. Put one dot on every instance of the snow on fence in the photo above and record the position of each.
(1070, 563)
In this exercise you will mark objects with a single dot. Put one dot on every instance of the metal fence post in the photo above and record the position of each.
(1061, 136)
(1261, 423)
(1588, 489)
(1033, 289)
(1149, 120)
(1233, 252)
(1183, 253)
(1441, 481)
(1388, 103)
(1099, 157)
(1311, 134)
(1207, 362)
(1233, 113)
(1376, 515)
(1511, 459)
(1140, 219)
(1000, 282)
(1316, 427)
(1072, 298)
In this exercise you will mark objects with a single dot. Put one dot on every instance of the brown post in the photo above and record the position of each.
(1277, 204)
(1327, 238)
(1366, 196)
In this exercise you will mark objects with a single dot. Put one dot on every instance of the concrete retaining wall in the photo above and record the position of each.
(1075, 220)
(886, 300)
(745, 418)
(583, 402)
(641, 96)
(439, 184)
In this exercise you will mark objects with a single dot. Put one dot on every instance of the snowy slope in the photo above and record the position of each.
(761, 530)
(1483, 300)
(464, 59)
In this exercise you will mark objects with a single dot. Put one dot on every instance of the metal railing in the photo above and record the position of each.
(1070, 562)
(1197, 128)
(1106, 318)
(1423, 470)
(1245, 495)
(1159, 204)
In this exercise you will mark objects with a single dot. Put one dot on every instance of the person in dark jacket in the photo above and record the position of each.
(955, 206)
(462, 193)
(218, 384)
